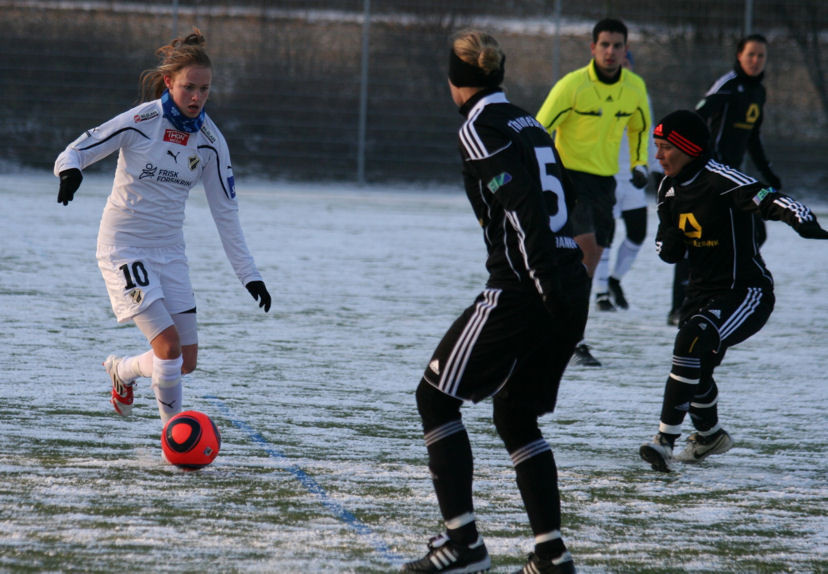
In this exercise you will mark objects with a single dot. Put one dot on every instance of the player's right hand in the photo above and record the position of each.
(811, 230)
(640, 176)
(70, 180)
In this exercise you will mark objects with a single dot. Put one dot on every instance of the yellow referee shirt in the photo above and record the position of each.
(589, 118)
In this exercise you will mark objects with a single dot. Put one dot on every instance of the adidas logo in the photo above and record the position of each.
(435, 366)
(716, 313)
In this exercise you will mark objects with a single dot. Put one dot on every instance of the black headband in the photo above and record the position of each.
(462, 73)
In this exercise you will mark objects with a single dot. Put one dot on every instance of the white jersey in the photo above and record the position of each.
(157, 167)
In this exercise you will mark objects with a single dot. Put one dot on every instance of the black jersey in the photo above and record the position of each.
(711, 205)
(734, 109)
(518, 190)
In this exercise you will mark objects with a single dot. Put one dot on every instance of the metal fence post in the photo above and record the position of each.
(363, 92)
(175, 19)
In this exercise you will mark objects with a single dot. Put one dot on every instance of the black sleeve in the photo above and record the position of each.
(712, 105)
(517, 188)
(772, 205)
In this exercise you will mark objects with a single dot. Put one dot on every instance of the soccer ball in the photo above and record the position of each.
(190, 440)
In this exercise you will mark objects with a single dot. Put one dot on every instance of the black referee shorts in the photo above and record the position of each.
(593, 209)
(507, 344)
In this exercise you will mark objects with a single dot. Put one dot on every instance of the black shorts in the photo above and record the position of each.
(593, 208)
(506, 343)
(735, 315)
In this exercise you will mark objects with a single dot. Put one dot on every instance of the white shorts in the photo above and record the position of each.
(137, 276)
(627, 196)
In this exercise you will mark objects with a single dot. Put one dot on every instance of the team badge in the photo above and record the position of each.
(193, 161)
(499, 181)
(137, 296)
(763, 193)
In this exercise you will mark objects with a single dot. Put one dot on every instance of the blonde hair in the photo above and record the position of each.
(479, 49)
(175, 56)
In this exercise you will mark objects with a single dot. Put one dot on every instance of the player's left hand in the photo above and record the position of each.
(640, 176)
(70, 180)
(811, 230)
(260, 294)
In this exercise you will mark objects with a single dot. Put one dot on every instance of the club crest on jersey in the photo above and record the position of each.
(176, 137)
(137, 296)
(145, 116)
(193, 162)
(499, 181)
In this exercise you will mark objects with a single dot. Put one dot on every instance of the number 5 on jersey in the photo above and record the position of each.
(553, 192)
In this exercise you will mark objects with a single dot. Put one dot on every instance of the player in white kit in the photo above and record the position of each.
(166, 145)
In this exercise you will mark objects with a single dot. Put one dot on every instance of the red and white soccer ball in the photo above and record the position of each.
(190, 440)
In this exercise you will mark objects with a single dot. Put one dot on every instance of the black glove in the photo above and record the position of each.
(70, 180)
(670, 245)
(640, 176)
(260, 294)
(811, 230)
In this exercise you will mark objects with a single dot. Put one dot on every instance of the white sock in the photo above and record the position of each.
(625, 257)
(130, 368)
(166, 384)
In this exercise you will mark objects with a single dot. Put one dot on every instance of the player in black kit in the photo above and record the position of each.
(705, 211)
(734, 110)
(514, 342)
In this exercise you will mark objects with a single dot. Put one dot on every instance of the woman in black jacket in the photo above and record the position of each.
(706, 213)
(514, 342)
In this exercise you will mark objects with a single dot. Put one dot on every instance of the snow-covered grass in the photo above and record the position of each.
(322, 467)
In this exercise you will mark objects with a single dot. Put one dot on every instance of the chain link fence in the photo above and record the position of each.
(355, 90)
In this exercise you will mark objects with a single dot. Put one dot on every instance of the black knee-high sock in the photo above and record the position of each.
(676, 403)
(451, 465)
(537, 479)
(704, 410)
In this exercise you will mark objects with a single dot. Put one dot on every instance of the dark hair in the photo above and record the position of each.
(751, 38)
(609, 25)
